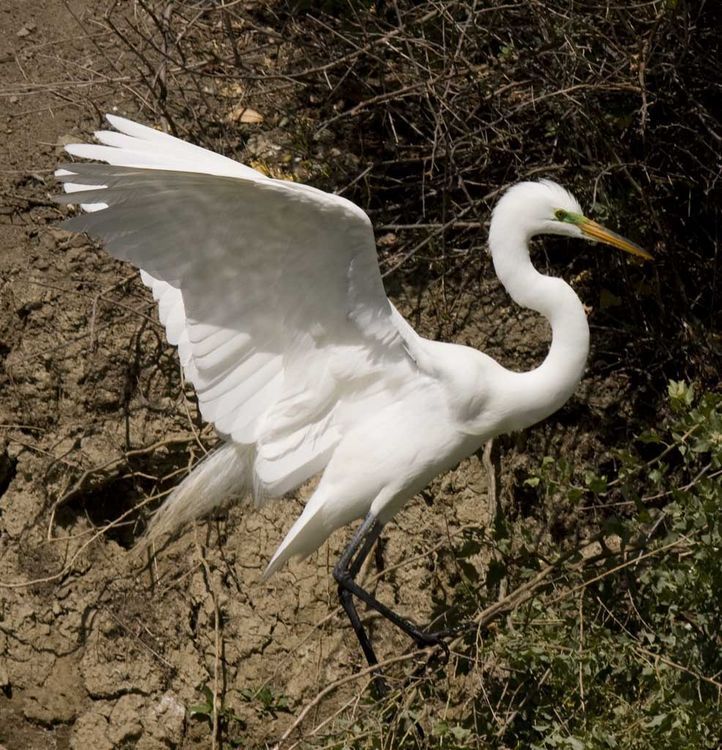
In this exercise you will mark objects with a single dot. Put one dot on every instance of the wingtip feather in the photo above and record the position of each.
(119, 123)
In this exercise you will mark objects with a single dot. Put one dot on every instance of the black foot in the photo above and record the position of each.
(379, 687)
(436, 640)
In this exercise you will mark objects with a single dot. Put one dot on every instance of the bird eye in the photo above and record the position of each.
(560, 215)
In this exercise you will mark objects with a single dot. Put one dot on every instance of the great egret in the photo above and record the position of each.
(271, 290)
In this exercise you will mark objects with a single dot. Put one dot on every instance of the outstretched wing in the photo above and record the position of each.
(270, 289)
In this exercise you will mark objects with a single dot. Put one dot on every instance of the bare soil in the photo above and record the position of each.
(98, 648)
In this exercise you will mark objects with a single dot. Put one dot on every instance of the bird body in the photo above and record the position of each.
(272, 292)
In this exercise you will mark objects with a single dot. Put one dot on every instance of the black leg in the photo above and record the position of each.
(349, 564)
(345, 572)
(346, 598)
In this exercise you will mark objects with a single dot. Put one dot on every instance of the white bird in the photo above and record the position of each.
(272, 292)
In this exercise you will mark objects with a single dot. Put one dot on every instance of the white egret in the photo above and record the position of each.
(272, 292)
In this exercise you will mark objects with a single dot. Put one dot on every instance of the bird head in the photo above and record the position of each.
(545, 207)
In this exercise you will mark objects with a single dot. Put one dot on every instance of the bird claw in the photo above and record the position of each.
(424, 640)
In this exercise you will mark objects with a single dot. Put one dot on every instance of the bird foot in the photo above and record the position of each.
(379, 687)
(436, 639)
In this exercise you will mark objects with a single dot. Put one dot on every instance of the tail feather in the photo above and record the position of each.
(307, 533)
(221, 477)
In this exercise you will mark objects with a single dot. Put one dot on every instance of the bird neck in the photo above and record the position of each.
(531, 396)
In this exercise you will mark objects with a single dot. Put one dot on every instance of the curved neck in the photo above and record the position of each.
(531, 396)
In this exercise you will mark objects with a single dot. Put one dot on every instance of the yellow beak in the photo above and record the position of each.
(597, 232)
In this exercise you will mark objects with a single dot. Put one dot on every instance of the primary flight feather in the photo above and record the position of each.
(272, 292)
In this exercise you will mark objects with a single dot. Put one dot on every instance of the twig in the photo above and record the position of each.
(343, 681)
(217, 697)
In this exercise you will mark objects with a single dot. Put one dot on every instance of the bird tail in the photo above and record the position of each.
(305, 536)
(221, 477)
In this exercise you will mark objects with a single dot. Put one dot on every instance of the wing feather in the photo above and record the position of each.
(270, 289)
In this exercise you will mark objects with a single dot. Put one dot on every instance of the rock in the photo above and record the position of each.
(245, 115)
(26, 30)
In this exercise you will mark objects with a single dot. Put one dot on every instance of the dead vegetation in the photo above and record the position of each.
(423, 112)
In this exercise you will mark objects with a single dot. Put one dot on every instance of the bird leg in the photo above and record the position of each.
(345, 573)
(347, 568)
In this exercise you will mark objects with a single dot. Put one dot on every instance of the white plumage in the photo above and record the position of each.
(271, 291)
